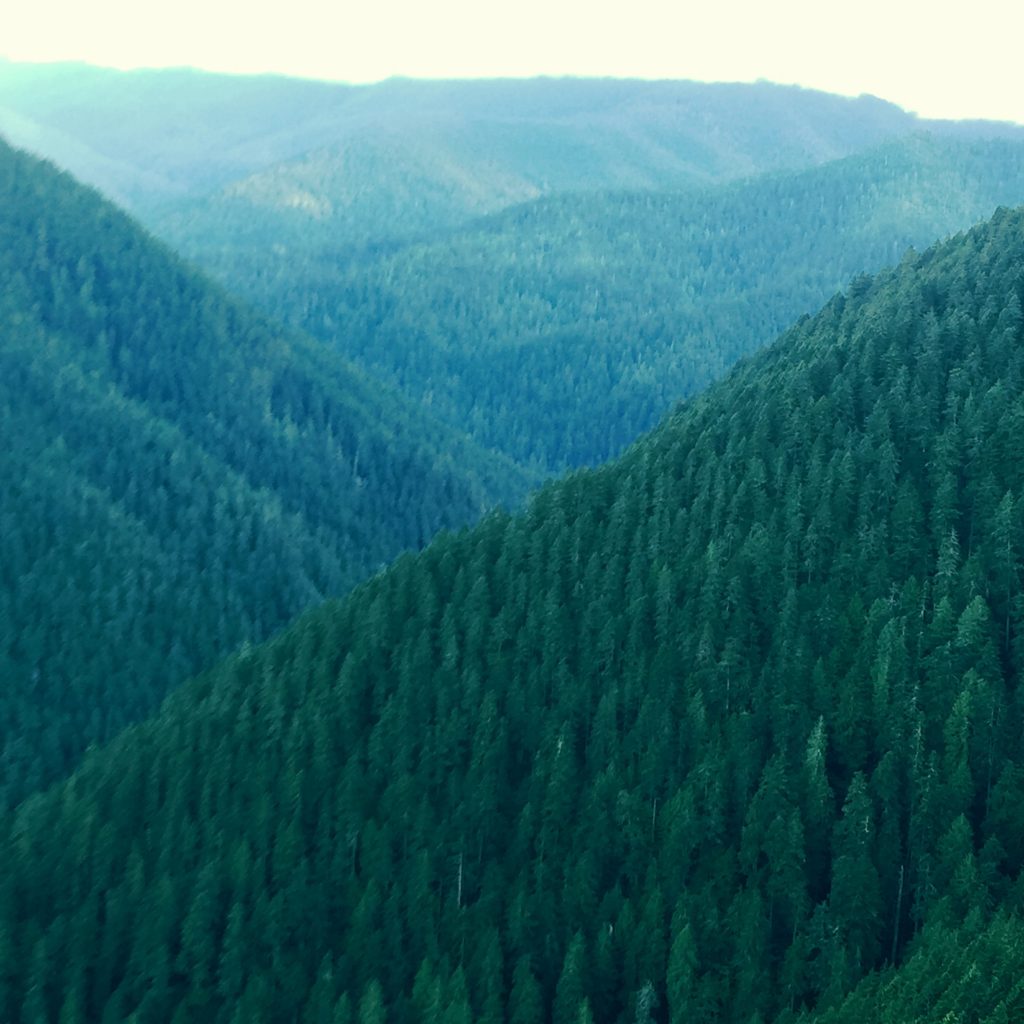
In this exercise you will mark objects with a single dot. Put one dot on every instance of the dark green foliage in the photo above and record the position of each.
(560, 330)
(177, 475)
(710, 734)
(969, 975)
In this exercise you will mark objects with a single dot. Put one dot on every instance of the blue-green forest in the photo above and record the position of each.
(507, 553)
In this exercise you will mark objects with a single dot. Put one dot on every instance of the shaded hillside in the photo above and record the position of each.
(178, 475)
(560, 330)
(709, 734)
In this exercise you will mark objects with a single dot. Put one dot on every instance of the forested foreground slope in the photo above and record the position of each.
(562, 329)
(709, 734)
(177, 475)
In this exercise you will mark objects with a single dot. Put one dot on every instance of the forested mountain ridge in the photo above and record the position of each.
(178, 475)
(357, 162)
(711, 733)
(560, 330)
(439, 153)
(432, 155)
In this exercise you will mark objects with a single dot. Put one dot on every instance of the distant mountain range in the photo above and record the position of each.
(359, 162)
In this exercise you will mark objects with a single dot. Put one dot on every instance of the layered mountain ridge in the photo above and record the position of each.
(459, 148)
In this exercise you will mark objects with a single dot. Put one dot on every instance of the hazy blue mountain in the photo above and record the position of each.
(146, 135)
(431, 154)
(423, 155)
(401, 155)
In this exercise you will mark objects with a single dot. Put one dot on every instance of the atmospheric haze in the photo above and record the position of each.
(909, 52)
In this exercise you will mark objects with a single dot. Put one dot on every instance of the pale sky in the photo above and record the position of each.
(967, 64)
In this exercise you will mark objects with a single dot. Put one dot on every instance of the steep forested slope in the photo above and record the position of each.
(709, 734)
(177, 475)
(560, 330)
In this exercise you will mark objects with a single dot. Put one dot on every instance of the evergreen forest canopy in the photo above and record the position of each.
(179, 476)
(728, 730)
(560, 330)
